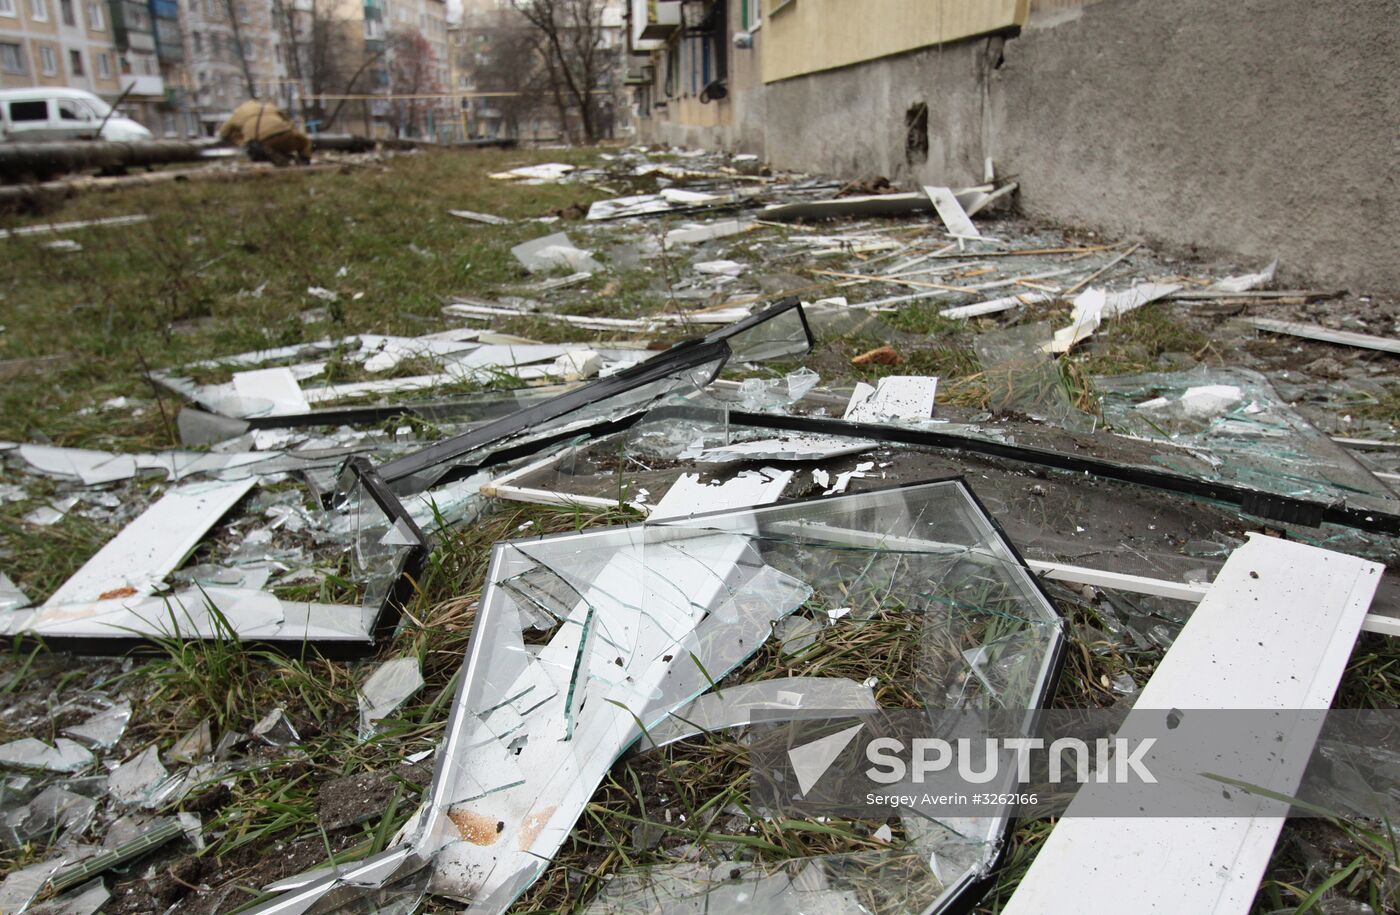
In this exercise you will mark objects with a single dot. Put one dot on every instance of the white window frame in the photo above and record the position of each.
(97, 20)
(39, 10)
(8, 8)
(48, 61)
(104, 65)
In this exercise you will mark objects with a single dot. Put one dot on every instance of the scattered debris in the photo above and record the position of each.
(894, 397)
(1094, 305)
(553, 252)
(486, 218)
(1326, 334)
(881, 355)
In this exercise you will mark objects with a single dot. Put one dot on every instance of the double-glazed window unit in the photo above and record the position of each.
(48, 61)
(11, 58)
(39, 10)
(96, 19)
(65, 9)
(104, 65)
(7, 8)
(75, 62)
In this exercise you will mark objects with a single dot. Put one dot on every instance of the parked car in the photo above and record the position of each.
(44, 113)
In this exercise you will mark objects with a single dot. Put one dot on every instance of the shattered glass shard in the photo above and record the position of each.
(391, 685)
(30, 753)
(133, 781)
(276, 729)
(104, 729)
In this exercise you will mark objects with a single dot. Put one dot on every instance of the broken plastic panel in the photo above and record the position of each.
(1022, 379)
(11, 597)
(584, 641)
(1234, 421)
(777, 331)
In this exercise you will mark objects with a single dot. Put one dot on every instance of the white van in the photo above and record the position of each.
(45, 113)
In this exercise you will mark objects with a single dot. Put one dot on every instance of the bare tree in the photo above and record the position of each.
(504, 59)
(324, 54)
(232, 10)
(575, 56)
(412, 73)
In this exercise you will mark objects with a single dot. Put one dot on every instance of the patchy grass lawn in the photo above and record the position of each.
(224, 268)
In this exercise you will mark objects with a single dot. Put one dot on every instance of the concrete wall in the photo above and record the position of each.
(1251, 128)
(1256, 127)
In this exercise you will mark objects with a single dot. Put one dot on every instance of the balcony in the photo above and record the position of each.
(654, 20)
(144, 86)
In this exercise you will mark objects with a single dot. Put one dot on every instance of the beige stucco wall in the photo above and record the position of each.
(808, 36)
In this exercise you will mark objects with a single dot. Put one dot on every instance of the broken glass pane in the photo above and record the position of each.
(628, 625)
(1022, 379)
(1229, 424)
(391, 685)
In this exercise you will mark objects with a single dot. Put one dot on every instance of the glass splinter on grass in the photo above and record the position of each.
(585, 642)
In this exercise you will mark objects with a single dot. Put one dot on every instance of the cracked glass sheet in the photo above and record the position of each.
(383, 547)
(1022, 379)
(640, 465)
(867, 883)
(585, 640)
(777, 331)
(642, 619)
(621, 405)
(1232, 423)
(136, 587)
(730, 707)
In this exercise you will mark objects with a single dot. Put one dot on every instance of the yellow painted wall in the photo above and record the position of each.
(805, 36)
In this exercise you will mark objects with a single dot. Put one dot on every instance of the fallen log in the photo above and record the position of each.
(31, 161)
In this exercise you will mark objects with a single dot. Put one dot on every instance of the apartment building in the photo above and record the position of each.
(234, 51)
(58, 43)
(1193, 122)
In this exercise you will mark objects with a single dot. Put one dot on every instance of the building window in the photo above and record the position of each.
(11, 58)
(750, 14)
(96, 21)
(39, 10)
(198, 42)
(7, 8)
(48, 60)
(75, 62)
(104, 66)
(65, 8)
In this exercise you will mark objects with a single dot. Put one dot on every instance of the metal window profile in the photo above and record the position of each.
(691, 354)
(1271, 506)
